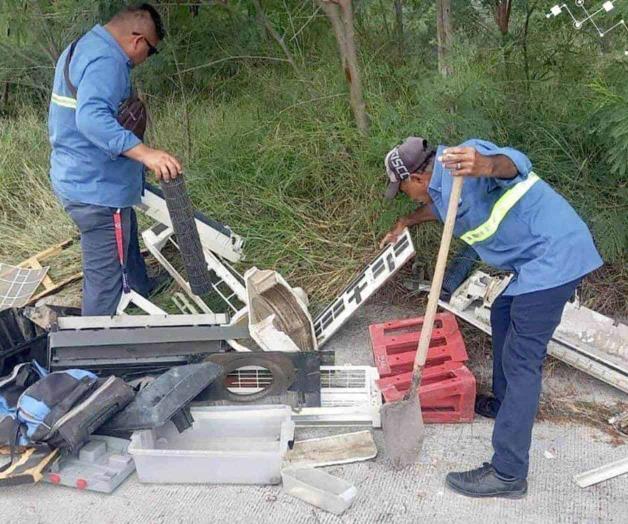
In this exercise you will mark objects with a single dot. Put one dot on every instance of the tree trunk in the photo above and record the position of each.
(502, 15)
(399, 20)
(526, 61)
(444, 35)
(340, 14)
(502, 18)
(5, 89)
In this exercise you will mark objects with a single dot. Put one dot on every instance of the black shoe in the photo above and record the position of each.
(158, 284)
(486, 482)
(487, 406)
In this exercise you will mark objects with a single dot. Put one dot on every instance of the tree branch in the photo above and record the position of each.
(266, 23)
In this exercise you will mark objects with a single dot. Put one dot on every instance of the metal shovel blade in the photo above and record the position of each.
(403, 431)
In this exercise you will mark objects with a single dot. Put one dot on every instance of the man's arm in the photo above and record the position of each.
(99, 95)
(466, 161)
(418, 216)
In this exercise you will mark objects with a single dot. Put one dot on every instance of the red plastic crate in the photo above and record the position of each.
(447, 392)
(394, 344)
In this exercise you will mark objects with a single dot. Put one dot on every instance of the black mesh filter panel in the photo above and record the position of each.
(182, 216)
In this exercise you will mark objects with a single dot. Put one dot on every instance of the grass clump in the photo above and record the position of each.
(275, 154)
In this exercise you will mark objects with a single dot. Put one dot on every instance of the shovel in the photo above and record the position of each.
(402, 421)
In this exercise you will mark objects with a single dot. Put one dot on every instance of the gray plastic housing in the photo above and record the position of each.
(169, 393)
(102, 464)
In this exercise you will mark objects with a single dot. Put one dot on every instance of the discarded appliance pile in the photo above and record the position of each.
(211, 395)
(214, 394)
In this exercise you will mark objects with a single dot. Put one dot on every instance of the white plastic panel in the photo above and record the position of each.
(384, 266)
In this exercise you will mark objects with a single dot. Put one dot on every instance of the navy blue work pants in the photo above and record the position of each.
(102, 273)
(522, 326)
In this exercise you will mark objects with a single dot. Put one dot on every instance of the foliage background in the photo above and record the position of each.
(273, 151)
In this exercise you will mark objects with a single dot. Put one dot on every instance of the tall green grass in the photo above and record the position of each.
(30, 218)
(278, 158)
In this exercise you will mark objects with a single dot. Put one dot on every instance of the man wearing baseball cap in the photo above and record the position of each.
(515, 222)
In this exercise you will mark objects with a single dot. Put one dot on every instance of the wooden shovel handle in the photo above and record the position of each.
(439, 272)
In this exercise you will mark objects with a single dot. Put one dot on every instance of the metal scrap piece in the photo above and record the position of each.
(252, 376)
(597, 475)
(17, 285)
(214, 236)
(127, 345)
(584, 339)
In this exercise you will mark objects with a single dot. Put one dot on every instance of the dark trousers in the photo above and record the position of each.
(522, 326)
(102, 274)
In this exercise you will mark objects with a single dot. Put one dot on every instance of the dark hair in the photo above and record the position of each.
(148, 8)
(155, 17)
(428, 163)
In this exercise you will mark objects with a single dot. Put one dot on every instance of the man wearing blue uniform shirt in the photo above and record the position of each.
(97, 165)
(515, 222)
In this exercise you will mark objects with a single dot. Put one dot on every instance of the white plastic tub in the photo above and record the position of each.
(225, 445)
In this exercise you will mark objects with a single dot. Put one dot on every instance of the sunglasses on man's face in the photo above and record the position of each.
(152, 50)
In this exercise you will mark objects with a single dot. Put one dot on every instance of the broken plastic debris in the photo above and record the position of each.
(336, 449)
(278, 318)
(318, 488)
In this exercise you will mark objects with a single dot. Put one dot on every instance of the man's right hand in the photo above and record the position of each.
(164, 165)
(392, 236)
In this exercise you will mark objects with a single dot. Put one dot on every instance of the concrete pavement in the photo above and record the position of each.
(414, 495)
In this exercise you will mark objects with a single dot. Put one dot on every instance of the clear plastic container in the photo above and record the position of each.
(318, 488)
(225, 445)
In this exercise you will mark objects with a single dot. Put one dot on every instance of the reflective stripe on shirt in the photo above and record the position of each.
(500, 210)
(87, 164)
(63, 101)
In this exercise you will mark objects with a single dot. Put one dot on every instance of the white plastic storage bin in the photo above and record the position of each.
(225, 445)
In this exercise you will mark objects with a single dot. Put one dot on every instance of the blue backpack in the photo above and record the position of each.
(60, 409)
(11, 388)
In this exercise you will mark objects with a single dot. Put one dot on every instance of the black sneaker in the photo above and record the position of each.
(486, 482)
(487, 406)
(158, 284)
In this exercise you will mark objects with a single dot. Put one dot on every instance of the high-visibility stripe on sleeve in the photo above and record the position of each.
(500, 210)
(63, 101)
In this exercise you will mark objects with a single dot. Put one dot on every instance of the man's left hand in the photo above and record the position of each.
(466, 161)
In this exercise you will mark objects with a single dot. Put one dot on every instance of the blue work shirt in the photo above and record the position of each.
(86, 163)
(541, 239)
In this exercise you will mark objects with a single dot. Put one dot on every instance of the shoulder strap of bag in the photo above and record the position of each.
(13, 445)
(66, 68)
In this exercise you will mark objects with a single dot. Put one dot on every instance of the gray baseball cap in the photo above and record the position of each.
(404, 160)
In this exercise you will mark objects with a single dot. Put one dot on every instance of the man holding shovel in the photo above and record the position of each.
(515, 222)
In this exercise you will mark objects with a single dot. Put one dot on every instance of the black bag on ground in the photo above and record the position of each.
(87, 407)
(64, 408)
